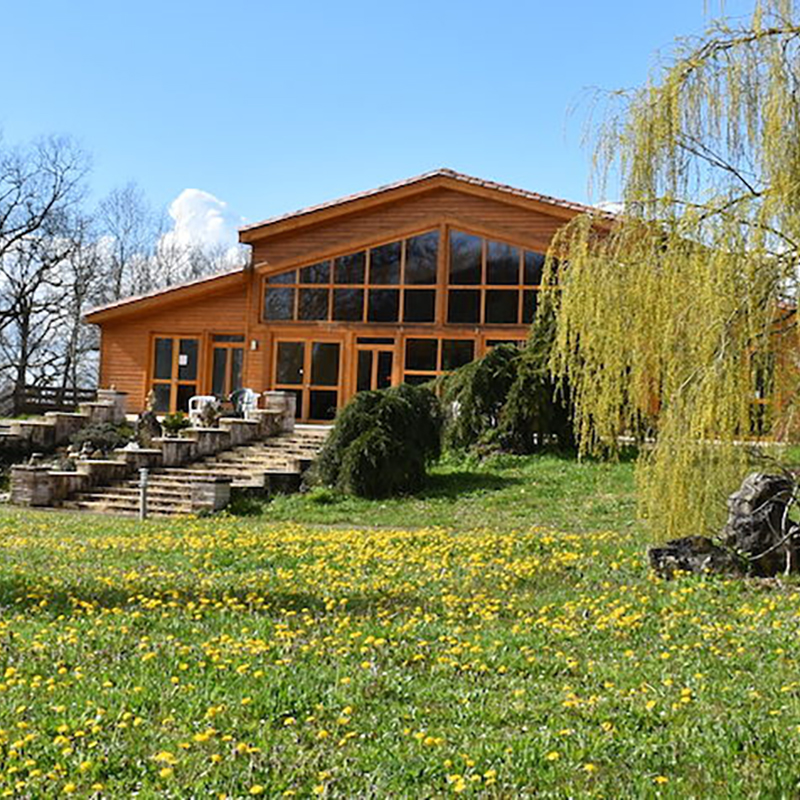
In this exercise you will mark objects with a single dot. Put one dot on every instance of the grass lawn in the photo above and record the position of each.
(515, 647)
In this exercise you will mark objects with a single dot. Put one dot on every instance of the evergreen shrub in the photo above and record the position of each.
(507, 401)
(382, 443)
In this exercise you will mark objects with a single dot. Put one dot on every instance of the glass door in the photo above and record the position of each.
(227, 360)
(310, 369)
(175, 372)
(374, 367)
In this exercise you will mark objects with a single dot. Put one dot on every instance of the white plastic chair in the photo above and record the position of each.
(196, 406)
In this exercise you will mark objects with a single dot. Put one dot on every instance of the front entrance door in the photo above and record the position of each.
(310, 369)
(374, 366)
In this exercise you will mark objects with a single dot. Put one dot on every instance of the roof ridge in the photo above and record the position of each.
(445, 172)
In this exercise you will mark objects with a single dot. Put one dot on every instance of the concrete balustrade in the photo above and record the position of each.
(37, 485)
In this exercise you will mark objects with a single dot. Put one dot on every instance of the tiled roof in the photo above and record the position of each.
(437, 173)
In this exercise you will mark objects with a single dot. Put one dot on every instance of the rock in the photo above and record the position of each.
(758, 525)
(758, 538)
(692, 554)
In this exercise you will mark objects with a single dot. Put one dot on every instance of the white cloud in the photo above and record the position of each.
(202, 220)
(611, 206)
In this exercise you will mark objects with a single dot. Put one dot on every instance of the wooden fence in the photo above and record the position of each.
(38, 399)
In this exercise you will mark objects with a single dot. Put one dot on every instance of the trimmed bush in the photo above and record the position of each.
(103, 436)
(382, 443)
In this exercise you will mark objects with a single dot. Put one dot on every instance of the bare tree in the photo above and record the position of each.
(40, 187)
(127, 223)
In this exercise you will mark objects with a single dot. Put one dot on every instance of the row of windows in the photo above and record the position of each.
(497, 284)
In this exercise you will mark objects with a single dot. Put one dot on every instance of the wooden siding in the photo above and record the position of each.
(219, 307)
(394, 220)
(126, 351)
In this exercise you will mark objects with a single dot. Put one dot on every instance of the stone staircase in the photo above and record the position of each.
(264, 467)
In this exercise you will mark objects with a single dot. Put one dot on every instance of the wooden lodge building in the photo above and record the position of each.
(400, 283)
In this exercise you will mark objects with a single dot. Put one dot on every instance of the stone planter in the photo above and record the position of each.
(285, 403)
(142, 457)
(242, 431)
(210, 494)
(102, 471)
(177, 450)
(32, 486)
(40, 434)
(270, 422)
(210, 441)
(65, 484)
(117, 400)
(66, 424)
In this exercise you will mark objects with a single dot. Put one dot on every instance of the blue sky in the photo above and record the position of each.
(270, 106)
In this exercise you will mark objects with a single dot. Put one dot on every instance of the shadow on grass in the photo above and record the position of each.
(452, 485)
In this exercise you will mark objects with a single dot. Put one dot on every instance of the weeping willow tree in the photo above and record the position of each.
(669, 311)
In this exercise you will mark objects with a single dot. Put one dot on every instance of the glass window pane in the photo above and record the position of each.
(501, 306)
(162, 368)
(316, 273)
(185, 392)
(218, 370)
(422, 354)
(325, 364)
(284, 277)
(502, 263)
(312, 304)
(534, 266)
(278, 303)
(348, 304)
(384, 305)
(163, 395)
(463, 305)
(187, 360)
(364, 377)
(529, 299)
(290, 362)
(465, 258)
(374, 340)
(237, 359)
(457, 352)
(384, 375)
(419, 305)
(421, 258)
(298, 409)
(322, 404)
(384, 263)
(350, 268)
